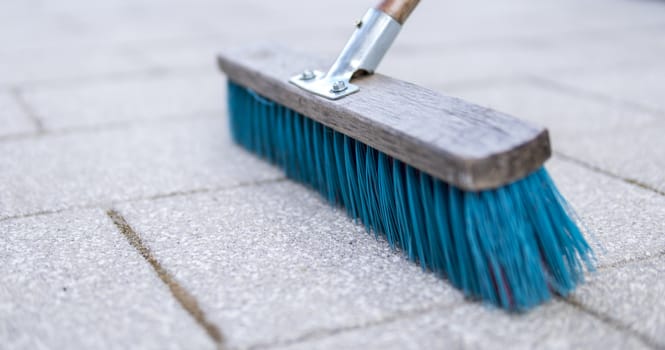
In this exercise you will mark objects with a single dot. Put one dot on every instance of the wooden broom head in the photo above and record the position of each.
(465, 145)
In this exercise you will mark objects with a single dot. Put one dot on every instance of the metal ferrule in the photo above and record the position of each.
(363, 53)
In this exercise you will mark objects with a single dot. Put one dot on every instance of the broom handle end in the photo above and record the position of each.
(398, 9)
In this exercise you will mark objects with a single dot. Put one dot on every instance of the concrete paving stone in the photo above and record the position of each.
(143, 97)
(29, 25)
(26, 26)
(632, 294)
(201, 52)
(607, 135)
(417, 56)
(436, 24)
(48, 65)
(301, 19)
(73, 281)
(639, 84)
(216, 241)
(627, 222)
(472, 326)
(245, 22)
(271, 263)
(141, 23)
(12, 118)
(480, 22)
(637, 153)
(566, 115)
(146, 159)
(424, 64)
(444, 68)
(447, 66)
(132, 23)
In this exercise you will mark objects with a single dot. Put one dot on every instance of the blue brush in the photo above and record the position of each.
(513, 245)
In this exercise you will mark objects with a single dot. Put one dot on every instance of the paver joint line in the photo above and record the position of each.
(136, 199)
(58, 83)
(27, 109)
(324, 333)
(607, 173)
(628, 261)
(188, 302)
(616, 324)
(176, 118)
(589, 95)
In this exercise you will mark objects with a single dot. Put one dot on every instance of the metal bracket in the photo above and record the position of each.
(369, 43)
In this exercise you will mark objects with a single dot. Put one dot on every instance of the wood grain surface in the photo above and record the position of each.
(469, 146)
(398, 9)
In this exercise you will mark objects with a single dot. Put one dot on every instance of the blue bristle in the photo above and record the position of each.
(514, 246)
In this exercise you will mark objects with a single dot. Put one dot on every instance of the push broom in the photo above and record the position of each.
(459, 188)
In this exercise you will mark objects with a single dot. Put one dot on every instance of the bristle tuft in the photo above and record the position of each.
(514, 246)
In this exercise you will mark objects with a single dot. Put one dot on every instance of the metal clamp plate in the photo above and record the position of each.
(319, 84)
(363, 52)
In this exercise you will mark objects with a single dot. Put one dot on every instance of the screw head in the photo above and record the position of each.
(358, 23)
(338, 86)
(307, 75)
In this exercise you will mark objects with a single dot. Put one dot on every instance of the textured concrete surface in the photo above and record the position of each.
(13, 118)
(119, 105)
(122, 100)
(639, 85)
(554, 326)
(570, 117)
(274, 263)
(481, 63)
(121, 163)
(70, 281)
(625, 223)
(309, 248)
(621, 293)
(30, 66)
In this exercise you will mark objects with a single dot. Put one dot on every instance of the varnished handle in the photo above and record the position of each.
(398, 9)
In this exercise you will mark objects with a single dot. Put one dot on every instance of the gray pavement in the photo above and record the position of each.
(116, 107)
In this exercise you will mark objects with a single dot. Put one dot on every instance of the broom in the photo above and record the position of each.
(459, 188)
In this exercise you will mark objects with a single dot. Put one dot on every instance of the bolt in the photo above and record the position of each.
(307, 75)
(358, 23)
(338, 86)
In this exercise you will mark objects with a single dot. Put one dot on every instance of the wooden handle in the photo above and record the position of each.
(398, 9)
